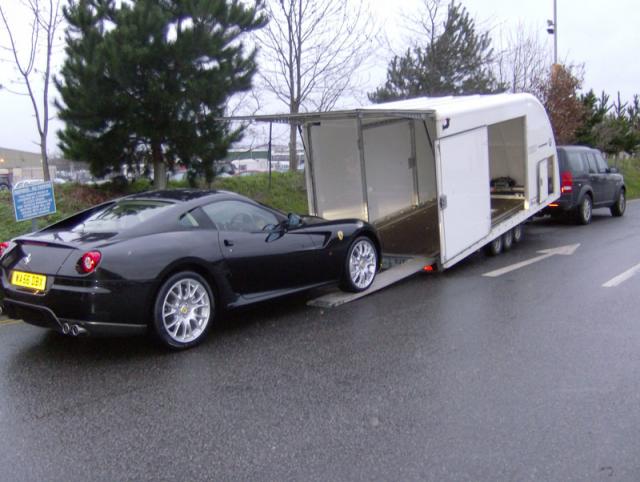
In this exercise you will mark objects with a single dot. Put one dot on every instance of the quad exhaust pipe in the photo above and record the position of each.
(73, 330)
(78, 330)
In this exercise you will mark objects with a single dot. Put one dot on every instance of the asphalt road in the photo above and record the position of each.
(532, 375)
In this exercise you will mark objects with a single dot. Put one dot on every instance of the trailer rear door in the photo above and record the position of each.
(464, 190)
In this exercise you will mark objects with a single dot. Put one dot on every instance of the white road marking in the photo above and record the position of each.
(546, 253)
(621, 278)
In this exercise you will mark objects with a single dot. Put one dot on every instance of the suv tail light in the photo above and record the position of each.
(3, 247)
(89, 262)
(566, 182)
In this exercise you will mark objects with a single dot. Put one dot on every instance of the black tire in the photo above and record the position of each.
(620, 205)
(494, 248)
(585, 210)
(507, 240)
(4, 187)
(518, 233)
(190, 316)
(363, 258)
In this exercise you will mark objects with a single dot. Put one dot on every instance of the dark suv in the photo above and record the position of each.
(587, 182)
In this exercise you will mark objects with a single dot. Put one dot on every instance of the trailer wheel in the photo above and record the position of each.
(518, 233)
(494, 248)
(507, 240)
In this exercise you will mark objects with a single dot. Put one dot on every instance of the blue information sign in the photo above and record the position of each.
(33, 201)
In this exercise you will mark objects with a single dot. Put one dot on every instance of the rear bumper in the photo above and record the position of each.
(45, 318)
(103, 308)
(562, 205)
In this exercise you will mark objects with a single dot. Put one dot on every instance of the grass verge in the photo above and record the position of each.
(287, 193)
(630, 168)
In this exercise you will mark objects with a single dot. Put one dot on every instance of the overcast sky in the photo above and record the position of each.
(604, 35)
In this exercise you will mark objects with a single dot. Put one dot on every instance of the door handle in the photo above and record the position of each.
(228, 243)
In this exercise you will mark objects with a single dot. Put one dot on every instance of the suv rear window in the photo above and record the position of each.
(120, 216)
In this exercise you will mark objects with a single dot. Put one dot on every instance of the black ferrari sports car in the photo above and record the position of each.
(170, 260)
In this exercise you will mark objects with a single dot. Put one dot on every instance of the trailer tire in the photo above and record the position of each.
(518, 233)
(494, 248)
(507, 240)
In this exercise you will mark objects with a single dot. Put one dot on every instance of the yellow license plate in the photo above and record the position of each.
(29, 280)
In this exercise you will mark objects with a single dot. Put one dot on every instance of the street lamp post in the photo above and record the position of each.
(555, 34)
(552, 29)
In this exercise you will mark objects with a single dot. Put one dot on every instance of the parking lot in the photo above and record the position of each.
(528, 374)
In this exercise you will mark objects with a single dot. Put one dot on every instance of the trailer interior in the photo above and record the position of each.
(392, 180)
(507, 168)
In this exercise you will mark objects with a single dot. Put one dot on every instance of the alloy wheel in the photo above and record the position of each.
(186, 310)
(362, 263)
(585, 208)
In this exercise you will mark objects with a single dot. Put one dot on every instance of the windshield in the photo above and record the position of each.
(121, 216)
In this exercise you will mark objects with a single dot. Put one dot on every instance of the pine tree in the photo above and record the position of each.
(455, 61)
(595, 110)
(145, 81)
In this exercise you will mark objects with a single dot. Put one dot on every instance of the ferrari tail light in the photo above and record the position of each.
(3, 247)
(89, 262)
(566, 182)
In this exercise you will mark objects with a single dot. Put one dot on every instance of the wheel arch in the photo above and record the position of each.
(586, 191)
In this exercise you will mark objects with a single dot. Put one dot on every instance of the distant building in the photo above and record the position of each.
(257, 160)
(22, 165)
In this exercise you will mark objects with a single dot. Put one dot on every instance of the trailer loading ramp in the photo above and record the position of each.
(383, 279)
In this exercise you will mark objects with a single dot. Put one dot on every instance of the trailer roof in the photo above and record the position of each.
(419, 107)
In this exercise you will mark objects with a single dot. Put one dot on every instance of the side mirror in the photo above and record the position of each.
(293, 221)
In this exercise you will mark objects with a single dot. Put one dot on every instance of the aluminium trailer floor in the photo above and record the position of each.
(409, 243)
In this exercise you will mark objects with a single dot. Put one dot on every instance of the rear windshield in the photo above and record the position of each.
(121, 216)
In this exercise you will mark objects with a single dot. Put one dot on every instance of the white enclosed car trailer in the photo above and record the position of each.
(439, 177)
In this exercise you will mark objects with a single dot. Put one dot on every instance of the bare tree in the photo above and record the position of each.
(424, 20)
(560, 98)
(522, 62)
(45, 19)
(310, 52)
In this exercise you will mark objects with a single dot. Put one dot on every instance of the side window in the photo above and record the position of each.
(576, 163)
(602, 164)
(239, 216)
(187, 220)
(591, 160)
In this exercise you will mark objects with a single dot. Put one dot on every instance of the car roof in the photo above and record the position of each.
(182, 195)
(176, 195)
(575, 148)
